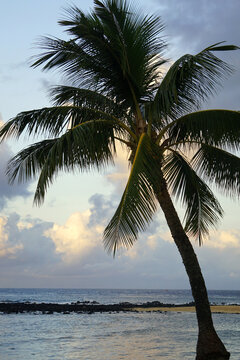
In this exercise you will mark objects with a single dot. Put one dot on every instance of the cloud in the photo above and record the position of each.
(38, 253)
(7, 191)
(219, 260)
(27, 256)
(153, 261)
(75, 239)
(72, 254)
(26, 236)
(194, 25)
(224, 239)
(102, 209)
(81, 235)
(7, 249)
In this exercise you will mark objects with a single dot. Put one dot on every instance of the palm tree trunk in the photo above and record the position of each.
(209, 346)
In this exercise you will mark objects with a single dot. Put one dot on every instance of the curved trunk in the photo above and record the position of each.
(209, 346)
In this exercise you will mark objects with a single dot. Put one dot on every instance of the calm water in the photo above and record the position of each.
(170, 336)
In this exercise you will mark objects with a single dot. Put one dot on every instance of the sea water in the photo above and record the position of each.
(110, 336)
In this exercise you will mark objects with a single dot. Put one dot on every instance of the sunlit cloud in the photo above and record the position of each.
(166, 236)
(24, 225)
(152, 241)
(75, 239)
(221, 239)
(224, 239)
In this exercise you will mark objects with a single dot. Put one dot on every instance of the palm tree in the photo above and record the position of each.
(113, 62)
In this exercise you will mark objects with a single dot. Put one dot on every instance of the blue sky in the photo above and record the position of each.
(59, 244)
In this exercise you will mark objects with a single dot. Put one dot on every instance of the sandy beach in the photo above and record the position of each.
(228, 309)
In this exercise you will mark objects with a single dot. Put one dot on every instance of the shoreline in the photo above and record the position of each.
(215, 309)
(93, 307)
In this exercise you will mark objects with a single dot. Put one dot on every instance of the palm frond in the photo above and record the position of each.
(190, 81)
(219, 167)
(138, 204)
(65, 95)
(214, 127)
(52, 120)
(27, 164)
(61, 54)
(202, 208)
(87, 146)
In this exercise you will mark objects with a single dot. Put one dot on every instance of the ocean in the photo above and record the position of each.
(110, 336)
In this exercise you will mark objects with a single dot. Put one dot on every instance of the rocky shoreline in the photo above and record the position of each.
(79, 307)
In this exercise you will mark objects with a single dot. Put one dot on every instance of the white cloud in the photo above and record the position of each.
(221, 239)
(24, 225)
(75, 239)
(224, 239)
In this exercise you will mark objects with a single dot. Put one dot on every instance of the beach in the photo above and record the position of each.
(219, 309)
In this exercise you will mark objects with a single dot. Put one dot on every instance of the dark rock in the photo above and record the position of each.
(78, 307)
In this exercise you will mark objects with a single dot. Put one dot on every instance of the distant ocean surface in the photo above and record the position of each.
(116, 336)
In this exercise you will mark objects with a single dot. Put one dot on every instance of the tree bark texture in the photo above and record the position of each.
(209, 345)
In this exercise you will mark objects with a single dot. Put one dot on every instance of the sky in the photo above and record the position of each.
(60, 243)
